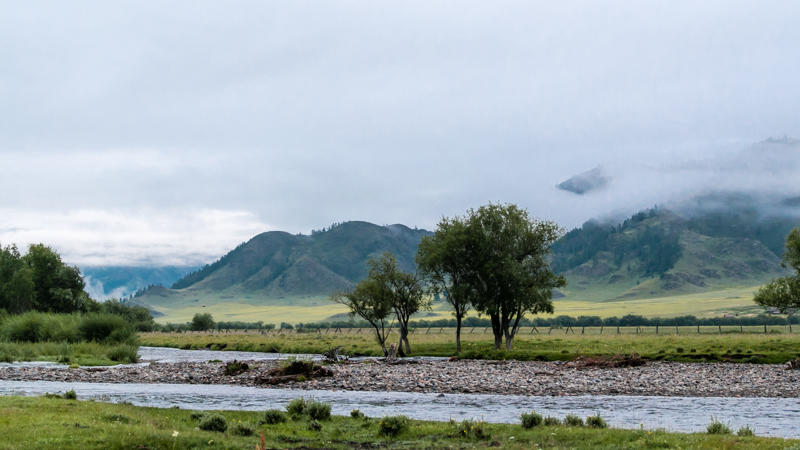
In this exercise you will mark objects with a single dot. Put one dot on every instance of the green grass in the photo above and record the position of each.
(773, 348)
(82, 353)
(38, 422)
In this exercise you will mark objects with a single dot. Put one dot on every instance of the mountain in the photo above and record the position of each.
(279, 268)
(659, 253)
(119, 281)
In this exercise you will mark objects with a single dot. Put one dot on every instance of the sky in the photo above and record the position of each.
(165, 133)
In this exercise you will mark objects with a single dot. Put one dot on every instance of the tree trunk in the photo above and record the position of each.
(458, 334)
(404, 338)
(498, 332)
(509, 340)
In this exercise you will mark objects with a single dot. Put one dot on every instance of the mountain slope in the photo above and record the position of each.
(659, 253)
(281, 268)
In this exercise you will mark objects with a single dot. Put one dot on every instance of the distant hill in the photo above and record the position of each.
(282, 268)
(658, 253)
(120, 281)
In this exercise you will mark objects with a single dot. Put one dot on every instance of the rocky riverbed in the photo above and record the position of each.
(466, 376)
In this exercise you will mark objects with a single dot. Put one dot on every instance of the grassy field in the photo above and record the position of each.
(39, 422)
(82, 353)
(316, 309)
(753, 346)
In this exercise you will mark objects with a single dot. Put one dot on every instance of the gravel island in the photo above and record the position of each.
(464, 376)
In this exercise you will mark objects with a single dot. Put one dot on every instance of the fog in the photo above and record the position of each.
(154, 133)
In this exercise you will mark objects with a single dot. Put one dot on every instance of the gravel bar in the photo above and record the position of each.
(464, 376)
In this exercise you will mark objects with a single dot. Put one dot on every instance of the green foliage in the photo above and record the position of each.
(24, 328)
(596, 422)
(551, 421)
(241, 429)
(784, 293)
(356, 414)
(717, 427)
(318, 410)
(202, 322)
(470, 429)
(71, 395)
(236, 367)
(213, 422)
(572, 420)
(274, 417)
(296, 407)
(531, 419)
(123, 353)
(745, 431)
(392, 426)
(106, 328)
(314, 425)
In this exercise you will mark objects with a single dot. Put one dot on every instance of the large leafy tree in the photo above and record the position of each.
(784, 293)
(369, 300)
(40, 280)
(443, 261)
(508, 266)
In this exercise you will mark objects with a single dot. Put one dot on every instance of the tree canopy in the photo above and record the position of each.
(784, 293)
(40, 281)
(507, 266)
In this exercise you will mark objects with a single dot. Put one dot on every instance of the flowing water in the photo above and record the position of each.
(767, 416)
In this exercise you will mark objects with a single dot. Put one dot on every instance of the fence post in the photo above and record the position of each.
(550, 331)
(656, 329)
(698, 329)
(765, 329)
(790, 327)
(484, 330)
(583, 329)
(676, 329)
(473, 329)
(617, 329)
(720, 329)
(429, 330)
(601, 329)
(741, 329)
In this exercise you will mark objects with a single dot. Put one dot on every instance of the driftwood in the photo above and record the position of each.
(793, 365)
(293, 372)
(585, 362)
(333, 355)
(391, 357)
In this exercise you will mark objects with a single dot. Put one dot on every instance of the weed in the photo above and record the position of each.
(745, 431)
(314, 425)
(470, 429)
(717, 427)
(356, 414)
(318, 410)
(70, 395)
(531, 419)
(571, 420)
(241, 429)
(297, 407)
(392, 426)
(551, 421)
(274, 417)
(213, 422)
(596, 421)
(235, 368)
(119, 418)
(196, 415)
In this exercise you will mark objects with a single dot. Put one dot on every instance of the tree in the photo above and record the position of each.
(403, 290)
(508, 266)
(784, 293)
(202, 322)
(442, 260)
(369, 300)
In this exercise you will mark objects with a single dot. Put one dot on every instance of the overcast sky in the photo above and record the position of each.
(168, 132)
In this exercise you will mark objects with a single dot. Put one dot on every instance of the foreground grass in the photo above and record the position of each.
(773, 348)
(83, 353)
(38, 422)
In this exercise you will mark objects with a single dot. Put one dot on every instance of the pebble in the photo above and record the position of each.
(464, 376)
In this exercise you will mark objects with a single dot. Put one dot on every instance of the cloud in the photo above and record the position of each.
(132, 237)
(586, 182)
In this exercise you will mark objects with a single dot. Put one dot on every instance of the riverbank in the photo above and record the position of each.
(463, 376)
(772, 348)
(38, 422)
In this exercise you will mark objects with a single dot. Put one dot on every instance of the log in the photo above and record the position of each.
(392, 356)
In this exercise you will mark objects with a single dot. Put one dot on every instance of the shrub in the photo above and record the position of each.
(318, 410)
(470, 429)
(71, 395)
(551, 421)
(571, 420)
(60, 328)
(356, 414)
(213, 422)
(745, 431)
(120, 418)
(717, 427)
(124, 353)
(241, 429)
(274, 417)
(106, 328)
(24, 328)
(531, 419)
(596, 421)
(196, 415)
(236, 367)
(392, 426)
(314, 426)
(297, 407)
